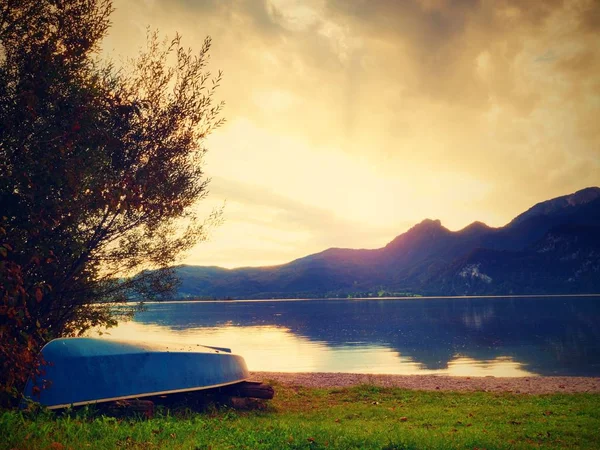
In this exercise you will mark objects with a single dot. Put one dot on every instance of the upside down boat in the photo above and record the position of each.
(81, 371)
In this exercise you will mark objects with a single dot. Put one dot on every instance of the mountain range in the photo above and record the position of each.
(552, 248)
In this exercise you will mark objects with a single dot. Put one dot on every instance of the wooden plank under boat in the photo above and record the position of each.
(82, 371)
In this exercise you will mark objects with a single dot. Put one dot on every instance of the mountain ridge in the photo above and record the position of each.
(580, 197)
(429, 259)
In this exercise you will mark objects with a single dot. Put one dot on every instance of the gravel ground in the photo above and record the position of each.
(524, 385)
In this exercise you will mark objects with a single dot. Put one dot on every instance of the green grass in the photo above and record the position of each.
(361, 417)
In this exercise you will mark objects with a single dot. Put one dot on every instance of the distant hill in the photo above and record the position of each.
(554, 247)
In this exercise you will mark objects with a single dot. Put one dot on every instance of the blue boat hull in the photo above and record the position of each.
(81, 371)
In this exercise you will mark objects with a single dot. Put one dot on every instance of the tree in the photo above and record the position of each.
(101, 170)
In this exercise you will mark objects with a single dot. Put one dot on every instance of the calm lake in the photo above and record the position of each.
(451, 336)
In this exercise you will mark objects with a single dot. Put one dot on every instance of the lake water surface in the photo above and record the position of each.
(452, 336)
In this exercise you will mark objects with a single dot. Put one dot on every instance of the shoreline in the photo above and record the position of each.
(409, 297)
(516, 385)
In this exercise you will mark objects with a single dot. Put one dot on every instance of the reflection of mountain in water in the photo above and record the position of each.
(550, 336)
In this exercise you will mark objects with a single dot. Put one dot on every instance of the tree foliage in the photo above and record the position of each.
(100, 171)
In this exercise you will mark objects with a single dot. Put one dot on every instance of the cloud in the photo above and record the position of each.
(322, 227)
(344, 112)
(262, 227)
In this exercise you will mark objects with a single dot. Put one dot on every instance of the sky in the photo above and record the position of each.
(349, 121)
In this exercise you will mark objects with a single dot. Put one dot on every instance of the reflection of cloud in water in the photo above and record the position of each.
(277, 349)
(502, 366)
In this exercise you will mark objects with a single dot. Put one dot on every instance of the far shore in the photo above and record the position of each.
(517, 385)
(412, 297)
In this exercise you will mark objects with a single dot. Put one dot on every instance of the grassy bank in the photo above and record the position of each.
(360, 417)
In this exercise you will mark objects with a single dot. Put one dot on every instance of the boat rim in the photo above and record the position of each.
(146, 394)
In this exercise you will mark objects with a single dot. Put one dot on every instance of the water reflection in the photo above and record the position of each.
(276, 349)
(475, 337)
